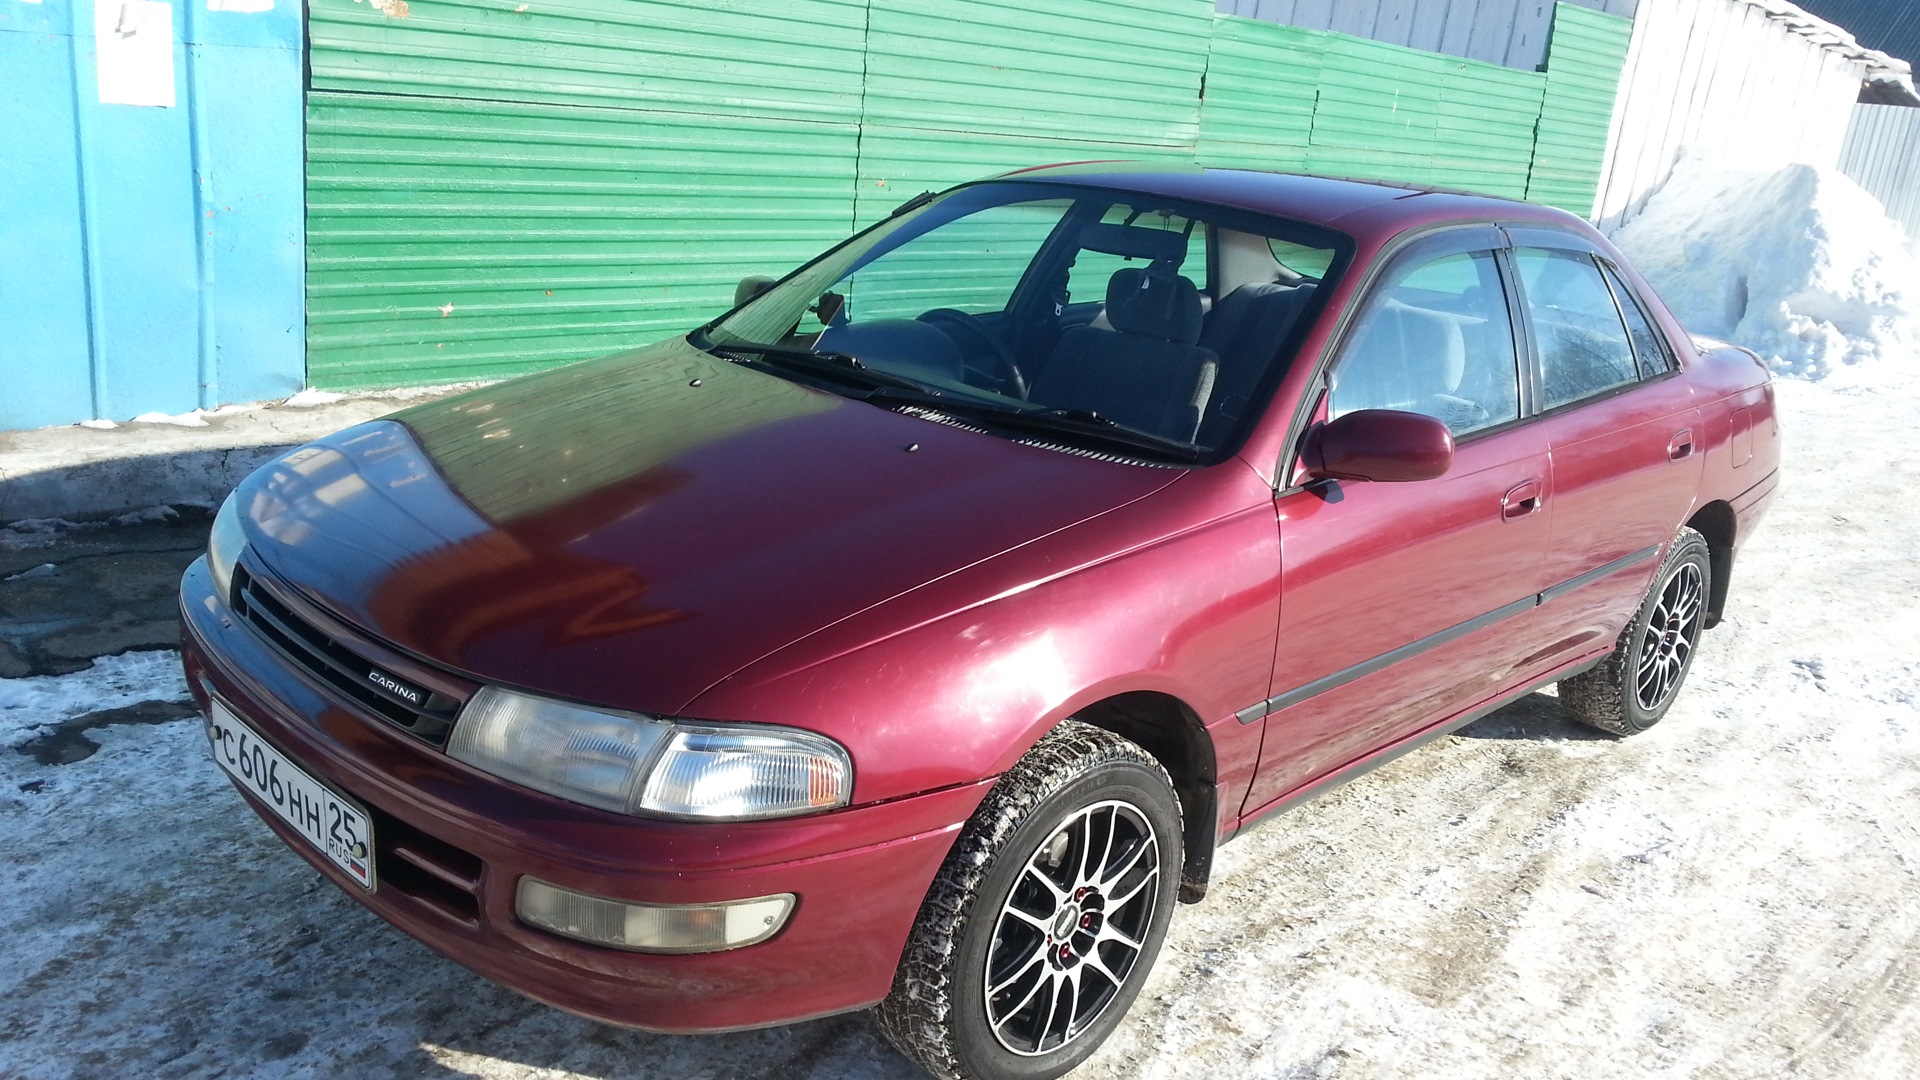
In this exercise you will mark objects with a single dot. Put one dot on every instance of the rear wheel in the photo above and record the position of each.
(1635, 685)
(1045, 917)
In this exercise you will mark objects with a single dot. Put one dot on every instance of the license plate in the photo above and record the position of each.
(334, 826)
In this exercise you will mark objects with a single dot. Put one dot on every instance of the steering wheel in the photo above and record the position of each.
(948, 320)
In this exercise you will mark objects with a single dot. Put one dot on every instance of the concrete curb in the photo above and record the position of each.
(84, 473)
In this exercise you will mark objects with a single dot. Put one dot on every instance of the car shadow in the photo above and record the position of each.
(842, 1047)
(1537, 717)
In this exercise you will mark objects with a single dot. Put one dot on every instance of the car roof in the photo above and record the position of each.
(1363, 208)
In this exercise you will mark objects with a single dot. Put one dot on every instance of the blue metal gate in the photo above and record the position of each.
(151, 215)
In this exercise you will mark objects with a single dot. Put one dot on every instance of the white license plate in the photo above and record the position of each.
(334, 826)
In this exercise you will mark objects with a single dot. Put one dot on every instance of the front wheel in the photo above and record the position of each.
(1635, 685)
(1046, 916)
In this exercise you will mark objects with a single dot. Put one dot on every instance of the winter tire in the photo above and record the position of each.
(1634, 686)
(1046, 916)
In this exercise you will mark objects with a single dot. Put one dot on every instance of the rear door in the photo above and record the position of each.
(1403, 603)
(1622, 428)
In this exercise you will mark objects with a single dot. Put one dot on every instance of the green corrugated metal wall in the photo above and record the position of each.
(1484, 128)
(1117, 71)
(1263, 82)
(1586, 53)
(450, 241)
(799, 59)
(492, 191)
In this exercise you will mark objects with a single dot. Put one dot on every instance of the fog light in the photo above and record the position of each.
(656, 928)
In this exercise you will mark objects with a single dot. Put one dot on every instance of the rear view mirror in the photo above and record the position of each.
(1381, 445)
(750, 286)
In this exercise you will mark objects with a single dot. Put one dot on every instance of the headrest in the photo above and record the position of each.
(1156, 305)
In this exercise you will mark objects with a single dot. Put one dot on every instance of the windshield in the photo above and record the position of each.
(1011, 304)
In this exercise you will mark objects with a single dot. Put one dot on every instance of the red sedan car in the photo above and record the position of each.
(911, 634)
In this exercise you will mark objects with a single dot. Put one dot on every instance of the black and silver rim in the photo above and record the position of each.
(1072, 928)
(1672, 628)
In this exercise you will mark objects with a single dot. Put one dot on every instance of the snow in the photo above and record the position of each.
(31, 706)
(45, 532)
(1800, 264)
(311, 398)
(191, 418)
(1727, 895)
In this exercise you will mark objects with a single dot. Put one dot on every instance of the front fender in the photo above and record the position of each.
(1136, 604)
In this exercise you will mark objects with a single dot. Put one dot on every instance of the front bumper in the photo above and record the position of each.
(451, 845)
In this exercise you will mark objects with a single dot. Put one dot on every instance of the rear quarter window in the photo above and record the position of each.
(1650, 348)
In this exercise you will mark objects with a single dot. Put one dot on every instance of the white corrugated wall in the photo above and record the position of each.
(1882, 154)
(1727, 78)
(1511, 33)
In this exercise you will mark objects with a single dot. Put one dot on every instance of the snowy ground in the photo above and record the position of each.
(1730, 895)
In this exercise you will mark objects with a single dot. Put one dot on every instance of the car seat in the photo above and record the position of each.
(1146, 372)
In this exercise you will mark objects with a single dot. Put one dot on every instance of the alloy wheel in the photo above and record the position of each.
(1072, 928)
(1672, 629)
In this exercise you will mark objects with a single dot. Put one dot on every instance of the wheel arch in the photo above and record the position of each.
(1171, 731)
(1715, 522)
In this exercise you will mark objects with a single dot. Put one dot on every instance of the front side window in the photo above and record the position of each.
(1015, 307)
(1582, 344)
(1434, 338)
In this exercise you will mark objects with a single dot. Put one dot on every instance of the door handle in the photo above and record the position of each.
(1680, 447)
(1520, 500)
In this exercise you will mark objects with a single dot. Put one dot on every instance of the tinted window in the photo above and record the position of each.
(1583, 345)
(1435, 338)
(1648, 346)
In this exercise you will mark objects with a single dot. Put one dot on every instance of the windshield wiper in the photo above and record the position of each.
(841, 367)
(1080, 423)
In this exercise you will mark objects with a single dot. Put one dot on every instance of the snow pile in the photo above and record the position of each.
(1800, 265)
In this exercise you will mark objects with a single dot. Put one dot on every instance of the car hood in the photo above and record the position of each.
(632, 530)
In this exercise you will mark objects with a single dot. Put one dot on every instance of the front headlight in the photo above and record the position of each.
(648, 766)
(223, 548)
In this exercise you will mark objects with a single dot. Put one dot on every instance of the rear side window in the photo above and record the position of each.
(1582, 344)
(1435, 338)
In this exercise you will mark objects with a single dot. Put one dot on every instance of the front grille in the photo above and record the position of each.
(333, 664)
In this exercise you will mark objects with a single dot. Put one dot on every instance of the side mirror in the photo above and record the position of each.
(751, 286)
(1379, 444)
